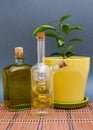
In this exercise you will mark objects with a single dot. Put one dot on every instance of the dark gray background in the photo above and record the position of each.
(19, 18)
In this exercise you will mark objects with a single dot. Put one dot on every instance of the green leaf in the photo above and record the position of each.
(70, 48)
(56, 54)
(61, 43)
(61, 53)
(65, 17)
(51, 34)
(75, 40)
(66, 28)
(43, 28)
(68, 54)
(76, 28)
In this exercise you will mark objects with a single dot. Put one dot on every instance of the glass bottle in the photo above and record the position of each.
(17, 83)
(42, 88)
(42, 79)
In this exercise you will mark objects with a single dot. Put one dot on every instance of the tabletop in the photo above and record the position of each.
(58, 119)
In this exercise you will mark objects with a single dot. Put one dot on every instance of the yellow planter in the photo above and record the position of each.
(70, 82)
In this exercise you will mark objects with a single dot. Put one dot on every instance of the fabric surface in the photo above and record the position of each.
(58, 119)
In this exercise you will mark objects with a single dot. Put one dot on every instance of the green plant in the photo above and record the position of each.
(60, 35)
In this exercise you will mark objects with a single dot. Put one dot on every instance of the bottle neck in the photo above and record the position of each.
(19, 55)
(19, 61)
(59, 65)
(40, 50)
(55, 67)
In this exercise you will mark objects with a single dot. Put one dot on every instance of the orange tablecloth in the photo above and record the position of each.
(59, 119)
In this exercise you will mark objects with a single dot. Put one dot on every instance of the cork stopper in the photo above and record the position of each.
(19, 53)
(41, 35)
(62, 64)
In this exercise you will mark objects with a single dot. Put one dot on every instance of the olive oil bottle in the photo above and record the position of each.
(17, 83)
(42, 87)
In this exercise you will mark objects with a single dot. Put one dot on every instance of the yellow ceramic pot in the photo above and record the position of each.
(70, 82)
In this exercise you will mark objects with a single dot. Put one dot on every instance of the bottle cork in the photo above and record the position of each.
(19, 53)
(41, 35)
(62, 64)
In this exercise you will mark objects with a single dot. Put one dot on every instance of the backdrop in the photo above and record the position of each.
(19, 18)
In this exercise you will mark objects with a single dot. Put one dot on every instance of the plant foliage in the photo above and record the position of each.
(60, 35)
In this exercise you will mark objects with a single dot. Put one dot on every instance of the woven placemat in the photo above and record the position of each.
(59, 119)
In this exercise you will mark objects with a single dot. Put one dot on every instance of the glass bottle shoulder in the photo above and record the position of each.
(16, 67)
(40, 66)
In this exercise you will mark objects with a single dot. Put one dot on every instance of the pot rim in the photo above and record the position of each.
(69, 58)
